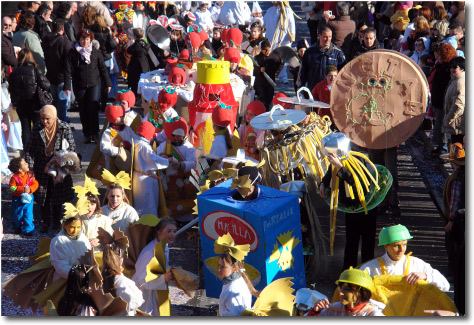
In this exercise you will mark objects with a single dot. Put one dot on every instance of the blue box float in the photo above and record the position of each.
(271, 226)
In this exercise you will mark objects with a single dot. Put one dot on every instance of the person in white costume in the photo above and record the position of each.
(221, 118)
(116, 205)
(216, 10)
(166, 227)
(114, 282)
(146, 186)
(167, 98)
(93, 220)
(204, 16)
(256, 14)
(355, 289)
(126, 99)
(396, 262)
(234, 13)
(237, 290)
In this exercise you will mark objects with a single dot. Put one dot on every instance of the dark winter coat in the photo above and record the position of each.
(361, 49)
(69, 30)
(8, 53)
(343, 28)
(439, 82)
(105, 39)
(55, 48)
(85, 75)
(138, 61)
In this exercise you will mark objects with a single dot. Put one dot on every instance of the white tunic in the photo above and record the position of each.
(204, 20)
(219, 147)
(65, 252)
(337, 309)
(146, 188)
(187, 151)
(235, 298)
(149, 288)
(398, 268)
(122, 217)
(274, 29)
(129, 292)
(110, 150)
(215, 12)
(234, 12)
(90, 226)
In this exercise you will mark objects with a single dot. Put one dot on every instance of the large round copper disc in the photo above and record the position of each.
(379, 99)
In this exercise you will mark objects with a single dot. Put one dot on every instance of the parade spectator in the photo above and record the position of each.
(426, 12)
(439, 15)
(317, 58)
(9, 60)
(426, 64)
(26, 37)
(360, 12)
(48, 137)
(56, 47)
(43, 21)
(23, 91)
(99, 7)
(400, 18)
(395, 39)
(139, 59)
(369, 43)
(420, 50)
(395, 262)
(64, 11)
(313, 15)
(438, 82)
(412, 14)
(455, 101)
(322, 91)
(422, 29)
(343, 27)
(358, 37)
(85, 67)
(458, 13)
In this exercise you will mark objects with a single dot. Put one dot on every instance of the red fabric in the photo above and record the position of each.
(172, 61)
(221, 116)
(257, 107)
(195, 39)
(112, 112)
(179, 124)
(224, 37)
(275, 100)
(321, 93)
(235, 35)
(183, 55)
(177, 76)
(146, 130)
(203, 35)
(356, 308)
(118, 3)
(19, 180)
(166, 100)
(232, 54)
(129, 96)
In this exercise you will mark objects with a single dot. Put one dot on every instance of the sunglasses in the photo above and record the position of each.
(6, 25)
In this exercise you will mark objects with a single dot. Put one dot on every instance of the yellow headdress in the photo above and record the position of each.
(226, 243)
(122, 178)
(89, 186)
(241, 182)
(81, 208)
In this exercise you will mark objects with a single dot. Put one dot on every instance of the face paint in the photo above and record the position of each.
(73, 228)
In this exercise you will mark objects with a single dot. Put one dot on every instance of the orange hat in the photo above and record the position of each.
(112, 112)
(257, 107)
(126, 95)
(203, 34)
(235, 36)
(167, 97)
(232, 54)
(222, 115)
(183, 55)
(178, 127)
(172, 61)
(146, 130)
(276, 101)
(177, 76)
(195, 39)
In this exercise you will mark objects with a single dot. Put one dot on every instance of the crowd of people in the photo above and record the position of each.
(60, 56)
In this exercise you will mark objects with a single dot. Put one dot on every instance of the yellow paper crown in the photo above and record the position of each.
(226, 243)
(241, 182)
(226, 173)
(81, 208)
(89, 186)
(122, 178)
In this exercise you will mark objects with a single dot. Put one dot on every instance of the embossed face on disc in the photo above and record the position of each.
(379, 99)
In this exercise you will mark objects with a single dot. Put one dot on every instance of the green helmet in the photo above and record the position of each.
(358, 277)
(393, 234)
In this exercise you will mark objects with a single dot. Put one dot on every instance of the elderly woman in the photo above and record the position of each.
(47, 137)
(85, 67)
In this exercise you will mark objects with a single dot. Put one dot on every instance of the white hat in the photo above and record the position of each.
(277, 118)
(205, 2)
(179, 132)
(256, 7)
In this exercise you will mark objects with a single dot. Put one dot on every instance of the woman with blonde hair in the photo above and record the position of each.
(422, 29)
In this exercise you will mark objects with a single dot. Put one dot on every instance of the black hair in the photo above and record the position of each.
(265, 44)
(427, 60)
(77, 292)
(43, 8)
(15, 164)
(458, 61)
(58, 24)
(412, 14)
(63, 9)
(370, 30)
(361, 24)
(324, 28)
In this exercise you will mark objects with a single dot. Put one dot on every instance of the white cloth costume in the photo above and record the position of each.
(204, 20)
(235, 298)
(398, 268)
(218, 148)
(129, 292)
(234, 12)
(275, 30)
(149, 288)
(90, 227)
(109, 150)
(146, 188)
(187, 151)
(129, 117)
(215, 12)
(66, 251)
(122, 217)
(169, 114)
(337, 309)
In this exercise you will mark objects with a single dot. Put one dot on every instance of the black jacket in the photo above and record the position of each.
(23, 81)
(8, 54)
(42, 27)
(105, 39)
(138, 62)
(55, 48)
(85, 75)
(69, 30)
(361, 49)
(439, 84)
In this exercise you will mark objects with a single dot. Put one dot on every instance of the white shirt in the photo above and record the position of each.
(215, 12)
(398, 268)
(90, 226)
(187, 151)
(234, 12)
(219, 147)
(65, 252)
(129, 292)
(204, 20)
(122, 217)
(235, 298)
(274, 29)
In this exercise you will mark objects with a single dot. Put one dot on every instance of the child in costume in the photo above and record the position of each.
(237, 290)
(204, 17)
(22, 186)
(126, 99)
(94, 217)
(76, 300)
(322, 91)
(155, 292)
(70, 243)
(395, 262)
(216, 38)
(167, 98)
(146, 185)
(246, 181)
(249, 137)
(355, 289)
(221, 119)
(116, 205)
(114, 282)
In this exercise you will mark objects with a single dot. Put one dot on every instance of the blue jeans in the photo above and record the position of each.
(22, 215)
(61, 105)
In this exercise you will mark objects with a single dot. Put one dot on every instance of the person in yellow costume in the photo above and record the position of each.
(396, 262)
